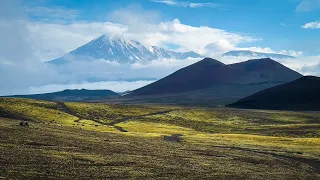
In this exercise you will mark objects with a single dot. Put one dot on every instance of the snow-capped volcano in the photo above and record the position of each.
(252, 54)
(122, 51)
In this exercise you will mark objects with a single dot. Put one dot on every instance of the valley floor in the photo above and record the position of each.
(103, 141)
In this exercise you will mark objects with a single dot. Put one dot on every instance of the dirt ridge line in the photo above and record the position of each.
(67, 110)
(144, 115)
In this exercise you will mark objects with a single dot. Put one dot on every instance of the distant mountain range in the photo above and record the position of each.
(210, 82)
(252, 54)
(71, 95)
(301, 94)
(205, 83)
(121, 51)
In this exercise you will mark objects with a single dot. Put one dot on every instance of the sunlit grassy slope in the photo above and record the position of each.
(87, 141)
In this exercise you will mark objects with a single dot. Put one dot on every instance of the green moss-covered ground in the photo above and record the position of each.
(102, 141)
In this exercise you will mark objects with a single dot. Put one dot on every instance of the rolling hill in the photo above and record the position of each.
(72, 95)
(213, 81)
(301, 94)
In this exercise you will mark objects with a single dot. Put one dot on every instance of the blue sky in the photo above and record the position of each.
(276, 22)
(36, 31)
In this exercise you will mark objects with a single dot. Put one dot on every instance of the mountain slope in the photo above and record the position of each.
(211, 83)
(72, 95)
(209, 72)
(120, 50)
(253, 54)
(301, 94)
(202, 74)
(266, 70)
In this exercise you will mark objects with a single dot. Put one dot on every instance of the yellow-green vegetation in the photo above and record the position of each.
(111, 112)
(155, 128)
(94, 126)
(308, 147)
(46, 112)
(108, 141)
(39, 111)
(225, 120)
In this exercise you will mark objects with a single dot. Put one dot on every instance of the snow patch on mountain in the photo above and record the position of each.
(122, 51)
(252, 54)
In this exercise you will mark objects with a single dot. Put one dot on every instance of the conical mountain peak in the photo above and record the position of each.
(121, 50)
(209, 62)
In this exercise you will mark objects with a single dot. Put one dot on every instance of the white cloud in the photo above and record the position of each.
(298, 63)
(54, 40)
(259, 49)
(134, 16)
(116, 86)
(194, 38)
(14, 35)
(168, 2)
(20, 76)
(31, 42)
(291, 53)
(308, 5)
(311, 69)
(306, 65)
(285, 25)
(312, 25)
(172, 64)
(110, 71)
(54, 13)
(269, 50)
(188, 38)
(185, 4)
(198, 5)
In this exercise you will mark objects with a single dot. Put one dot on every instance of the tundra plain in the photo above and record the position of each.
(111, 141)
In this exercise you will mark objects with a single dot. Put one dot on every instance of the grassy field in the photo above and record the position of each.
(108, 141)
